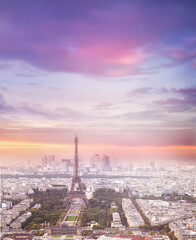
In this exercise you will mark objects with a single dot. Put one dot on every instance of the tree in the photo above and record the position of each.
(98, 227)
(86, 232)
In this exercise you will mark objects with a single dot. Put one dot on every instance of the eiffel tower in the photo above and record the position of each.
(76, 180)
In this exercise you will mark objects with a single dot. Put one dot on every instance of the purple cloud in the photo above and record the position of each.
(2, 88)
(183, 53)
(194, 65)
(39, 111)
(4, 107)
(104, 38)
(104, 106)
(188, 92)
(140, 91)
(185, 103)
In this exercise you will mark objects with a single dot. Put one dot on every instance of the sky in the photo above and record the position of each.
(119, 74)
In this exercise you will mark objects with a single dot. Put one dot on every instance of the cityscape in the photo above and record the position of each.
(104, 201)
(98, 120)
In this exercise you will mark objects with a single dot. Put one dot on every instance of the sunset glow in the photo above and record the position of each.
(119, 74)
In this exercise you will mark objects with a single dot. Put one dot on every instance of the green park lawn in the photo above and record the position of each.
(71, 218)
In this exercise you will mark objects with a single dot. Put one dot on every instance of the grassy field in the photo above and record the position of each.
(71, 218)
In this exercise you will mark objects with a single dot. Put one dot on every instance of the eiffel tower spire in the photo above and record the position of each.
(74, 192)
(76, 158)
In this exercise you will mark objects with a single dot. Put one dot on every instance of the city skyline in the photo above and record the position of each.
(120, 74)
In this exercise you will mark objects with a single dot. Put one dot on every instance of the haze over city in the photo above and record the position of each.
(119, 74)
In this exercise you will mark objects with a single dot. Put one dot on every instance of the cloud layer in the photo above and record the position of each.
(116, 72)
(98, 38)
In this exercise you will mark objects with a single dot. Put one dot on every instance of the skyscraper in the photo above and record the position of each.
(106, 163)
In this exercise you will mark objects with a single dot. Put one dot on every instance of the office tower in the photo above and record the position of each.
(152, 164)
(130, 167)
(106, 163)
(66, 164)
(44, 161)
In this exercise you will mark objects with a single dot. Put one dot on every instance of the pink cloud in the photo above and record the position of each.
(194, 65)
(181, 54)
